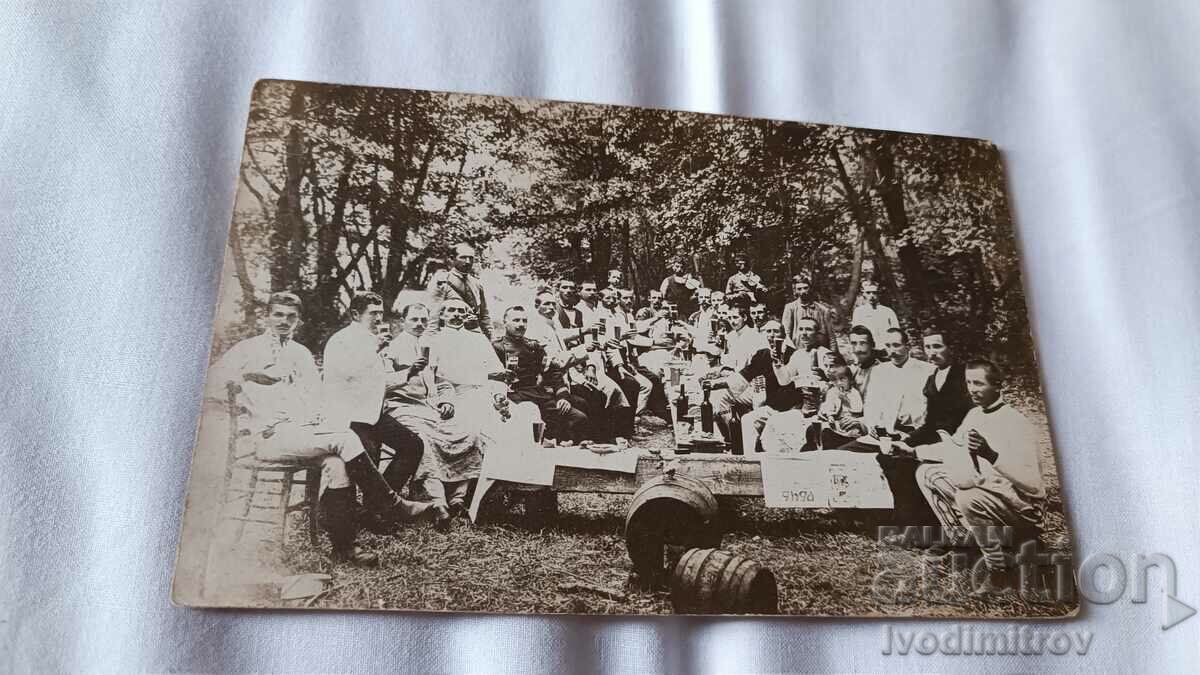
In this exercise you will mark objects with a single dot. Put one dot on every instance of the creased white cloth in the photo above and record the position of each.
(121, 131)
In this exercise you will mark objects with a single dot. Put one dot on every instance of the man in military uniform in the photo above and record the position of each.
(537, 379)
(461, 283)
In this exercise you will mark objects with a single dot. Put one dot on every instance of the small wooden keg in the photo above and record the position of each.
(708, 581)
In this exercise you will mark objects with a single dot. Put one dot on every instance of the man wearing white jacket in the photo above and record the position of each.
(355, 381)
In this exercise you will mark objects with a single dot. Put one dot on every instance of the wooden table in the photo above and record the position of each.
(723, 474)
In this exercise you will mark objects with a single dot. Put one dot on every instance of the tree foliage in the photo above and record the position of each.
(347, 188)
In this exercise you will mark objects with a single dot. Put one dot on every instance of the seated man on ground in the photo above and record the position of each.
(279, 382)
(988, 483)
(747, 356)
(422, 400)
(946, 402)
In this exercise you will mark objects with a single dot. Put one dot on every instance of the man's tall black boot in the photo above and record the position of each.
(337, 519)
(379, 497)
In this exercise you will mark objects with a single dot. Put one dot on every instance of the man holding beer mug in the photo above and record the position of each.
(422, 400)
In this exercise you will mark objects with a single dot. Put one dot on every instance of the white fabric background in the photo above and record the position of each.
(120, 132)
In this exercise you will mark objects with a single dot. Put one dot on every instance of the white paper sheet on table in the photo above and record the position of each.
(824, 479)
(534, 465)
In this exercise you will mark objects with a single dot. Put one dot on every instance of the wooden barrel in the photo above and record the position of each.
(668, 511)
(708, 581)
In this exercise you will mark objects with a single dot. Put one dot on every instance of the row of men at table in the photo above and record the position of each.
(438, 395)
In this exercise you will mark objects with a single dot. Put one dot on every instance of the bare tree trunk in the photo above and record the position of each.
(398, 240)
(846, 305)
(891, 193)
(289, 240)
(870, 233)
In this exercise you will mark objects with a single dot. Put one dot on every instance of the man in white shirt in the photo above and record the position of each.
(990, 476)
(278, 384)
(356, 379)
(742, 340)
(636, 388)
(896, 399)
(589, 300)
(876, 317)
(466, 360)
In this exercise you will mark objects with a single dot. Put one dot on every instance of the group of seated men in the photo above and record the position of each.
(581, 364)
(980, 469)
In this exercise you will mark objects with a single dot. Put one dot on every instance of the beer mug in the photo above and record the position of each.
(885, 444)
(675, 376)
(539, 431)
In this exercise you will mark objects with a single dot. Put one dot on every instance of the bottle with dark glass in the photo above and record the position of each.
(681, 406)
(706, 410)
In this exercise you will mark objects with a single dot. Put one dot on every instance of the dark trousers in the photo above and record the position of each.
(829, 439)
(593, 404)
(571, 425)
(911, 507)
(405, 444)
(622, 422)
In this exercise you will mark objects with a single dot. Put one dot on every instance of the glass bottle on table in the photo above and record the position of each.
(706, 409)
(681, 406)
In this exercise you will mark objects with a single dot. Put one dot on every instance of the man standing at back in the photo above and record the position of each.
(744, 281)
(460, 282)
(876, 317)
(355, 382)
(806, 306)
(680, 288)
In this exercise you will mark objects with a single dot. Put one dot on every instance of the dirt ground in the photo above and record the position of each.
(825, 562)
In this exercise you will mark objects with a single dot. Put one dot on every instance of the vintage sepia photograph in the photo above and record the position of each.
(486, 354)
